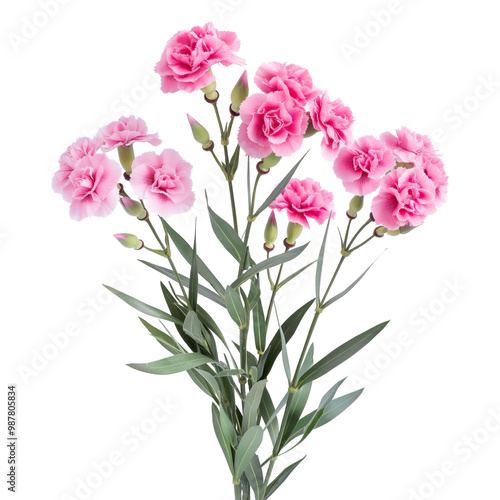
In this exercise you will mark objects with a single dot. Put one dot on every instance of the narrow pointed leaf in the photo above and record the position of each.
(284, 353)
(254, 293)
(173, 364)
(255, 477)
(211, 382)
(294, 275)
(235, 307)
(276, 412)
(268, 263)
(259, 327)
(234, 162)
(280, 479)
(252, 403)
(224, 443)
(143, 307)
(192, 327)
(228, 429)
(249, 444)
(267, 411)
(230, 373)
(163, 338)
(319, 266)
(339, 355)
(193, 278)
(277, 190)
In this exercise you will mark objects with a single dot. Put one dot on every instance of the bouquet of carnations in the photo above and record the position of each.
(403, 172)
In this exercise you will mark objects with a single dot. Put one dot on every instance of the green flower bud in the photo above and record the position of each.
(133, 208)
(127, 157)
(294, 230)
(355, 205)
(200, 133)
(267, 163)
(239, 93)
(129, 240)
(379, 231)
(211, 94)
(270, 232)
(393, 232)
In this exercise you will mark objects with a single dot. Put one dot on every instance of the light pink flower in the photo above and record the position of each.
(303, 199)
(84, 146)
(93, 186)
(188, 56)
(406, 196)
(408, 146)
(362, 165)
(335, 121)
(271, 123)
(164, 182)
(434, 169)
(289, 78)
(125, 132)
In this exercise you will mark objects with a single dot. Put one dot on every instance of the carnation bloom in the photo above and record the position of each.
(125, 132)
(408, 146)
(163, 181)
(289, 78)
(434, 169)
(271, 123)
(76, 151)
(93, 186)
(362, 165)
(334, 120)
(303, 199)
(189, 55)
(406, 196)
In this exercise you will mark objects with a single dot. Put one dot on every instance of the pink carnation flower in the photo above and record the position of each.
(163, 181)
(188, 56)
(292, 79)
(434, 169)
(407, 196)
(93, 187)
(76, 151)
(362, 165)
(303, 199)
(408, 146)
(334, 120)
(125, 132)
(271, 123)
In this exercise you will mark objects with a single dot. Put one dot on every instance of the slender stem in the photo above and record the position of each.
(304, 349)
(369, 221)
(341, 261)
(230, 126)
(216, 109)
(361, 244)
(347, 231)
(233, 205)
(273, 295)
(268, 475)
(243, 363)
(237, 492)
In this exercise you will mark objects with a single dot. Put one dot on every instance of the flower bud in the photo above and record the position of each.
(267, 163)
(379, 231)
(211, 94)
(406, 229)
(293, 232)
(355, 206)
(133, 208)
(393, 232)
(200, 133)
(270, 232)
(239, 94)
(129, 240)
(127, 157)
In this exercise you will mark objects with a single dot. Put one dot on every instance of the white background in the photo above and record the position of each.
(423, 66)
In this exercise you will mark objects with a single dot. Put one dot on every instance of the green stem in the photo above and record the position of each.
(268, 475)
(347, 231)
(341, 261)
(233, 206)
(237, 492)
(369, 221)
(273, 295)
(216, 109)
(361, 244)
(304, 349)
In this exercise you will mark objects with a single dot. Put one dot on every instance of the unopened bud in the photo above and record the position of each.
(129, 240)
(267, 163)
(239, 94)
(134, 208)
(293, 232)
(270, 232)
(379, 231)
(127, 157)
(393, 232)
(211, 94)
(200, 133)
(355, 205)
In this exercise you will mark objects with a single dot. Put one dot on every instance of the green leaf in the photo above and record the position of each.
(277, 190)
(187, 252)
(255, 477)
(289, 327)
(143, 307)
(173, 364)
(227, 236)
(267, 411)
(211, 382)
(339, 355)
(254, 293)
(193, 278)
(164, 339)
(223, 441)
(228, 429)
(319, 266)
(202, 290)
(230, 373)
(252, 402)
(281, 478)
(295, 274)
(192, 327)
(259, 327)
(284, 353)
(247, 448)
(235, 308)
(233, 163)
(268, 263)
(254, 374)
(276, 412)
(348, 289)
(200, 382)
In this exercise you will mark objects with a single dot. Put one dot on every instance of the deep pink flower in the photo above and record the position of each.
(303, 199)
(125, 132)
(93, 186)
(335, 121)
(434, 169)
(406, 196)
(164, 182)
(76, 151)
(408, 146)
(188, 56)
(271, 123)
(289, 78)
(362, 165)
